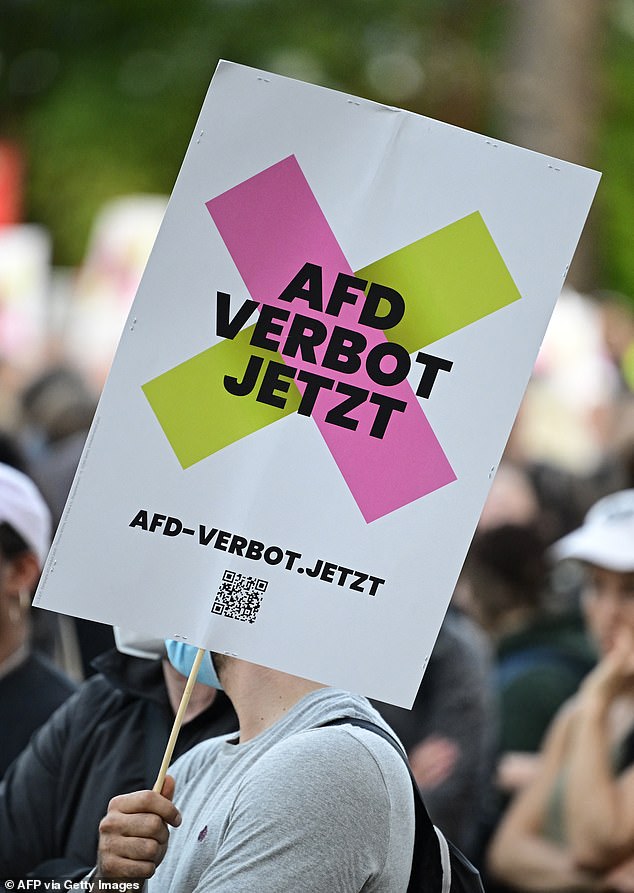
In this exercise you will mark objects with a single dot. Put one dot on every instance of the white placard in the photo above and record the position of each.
(316, 382)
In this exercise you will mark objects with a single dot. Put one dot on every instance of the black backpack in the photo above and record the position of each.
(437, 865)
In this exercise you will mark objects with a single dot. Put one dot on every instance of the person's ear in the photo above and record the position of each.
(22, 573)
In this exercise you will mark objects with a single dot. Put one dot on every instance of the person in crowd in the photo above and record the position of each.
(450, 734)
(57, 410)
(31, 688)
(572, 827)
(108, 738)
(532, 621)
(43, 625)
(289, 803)
(541, 654)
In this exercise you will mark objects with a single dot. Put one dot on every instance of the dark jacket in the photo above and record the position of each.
(455, 702)
(538, 668)
(107, 739)
(29, 694)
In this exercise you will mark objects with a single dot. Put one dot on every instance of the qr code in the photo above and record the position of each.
(239, 597)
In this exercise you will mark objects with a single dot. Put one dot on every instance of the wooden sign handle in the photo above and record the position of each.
(178, 721)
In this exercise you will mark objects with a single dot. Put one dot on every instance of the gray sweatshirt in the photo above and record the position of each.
(295, 810)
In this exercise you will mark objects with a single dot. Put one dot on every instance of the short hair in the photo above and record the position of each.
(11, 543)
(510, 566)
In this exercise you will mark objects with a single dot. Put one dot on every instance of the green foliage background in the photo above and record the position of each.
(103, 94)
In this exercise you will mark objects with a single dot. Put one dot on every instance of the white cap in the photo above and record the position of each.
(23, 507)
(606, 537)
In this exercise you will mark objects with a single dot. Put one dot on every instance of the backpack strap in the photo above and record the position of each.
(427, 860)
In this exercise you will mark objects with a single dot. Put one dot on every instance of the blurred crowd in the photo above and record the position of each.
(522, 735)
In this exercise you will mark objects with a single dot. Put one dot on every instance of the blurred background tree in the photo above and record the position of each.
(102, 97)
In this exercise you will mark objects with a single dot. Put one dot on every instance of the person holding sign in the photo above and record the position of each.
(284, 806)
(311, 416)
(108, 738)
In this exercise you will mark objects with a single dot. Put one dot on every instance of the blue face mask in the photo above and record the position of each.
(181, 656)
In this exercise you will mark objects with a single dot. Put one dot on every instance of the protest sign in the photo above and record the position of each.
(316, 382)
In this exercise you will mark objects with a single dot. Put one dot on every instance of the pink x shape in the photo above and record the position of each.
(272, 225)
